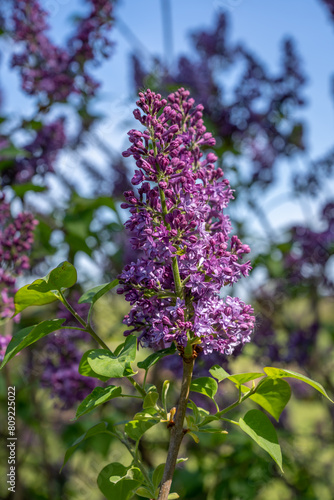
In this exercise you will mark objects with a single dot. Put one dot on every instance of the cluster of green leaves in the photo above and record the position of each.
(271, 393)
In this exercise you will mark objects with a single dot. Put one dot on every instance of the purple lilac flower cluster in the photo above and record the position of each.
(16, 239)
(4, 341)
(51, 70)
(306, 272)
(42, 154)
(311, 251)
(178, 223)
(59, 366)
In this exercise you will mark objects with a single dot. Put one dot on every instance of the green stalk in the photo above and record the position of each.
(87, 327)
(136, 460)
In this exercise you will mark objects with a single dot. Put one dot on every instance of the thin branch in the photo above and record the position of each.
(177, 431)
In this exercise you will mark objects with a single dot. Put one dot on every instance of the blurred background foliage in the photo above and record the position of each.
(262, 144)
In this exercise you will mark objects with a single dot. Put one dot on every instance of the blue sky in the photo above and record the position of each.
(261, 24)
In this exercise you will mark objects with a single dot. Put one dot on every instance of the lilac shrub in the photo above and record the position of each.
(54, 72)
(16, 239)
(180, 226)
(180, 229)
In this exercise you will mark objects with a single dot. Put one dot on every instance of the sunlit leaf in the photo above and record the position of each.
(108, 365)
(62, 277)
(204, 385)
(136, 428)
(25, 297)
(152, 359)
(279, 373)
(92, 295)
(240, 378)
(85, 369)
(273, 395)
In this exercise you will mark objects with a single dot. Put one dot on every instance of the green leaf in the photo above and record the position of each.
(62, 277)
(279, 373)
(21, 189)
(173, 496)
(29, 335)
(159, 472)
(96, 429)
(204, 385)
(96, 398)
(103, 363)
(129, 350)
(25, 297)
(201, 416)
(273, 395)
(118, 482)
(146, 415)
(152, 359)
(157, 475)
(164, 391)
(195, 410)
(258, 426)
(136, 428)
(193, 435)
(144, 492)
(92, 295)
(150, 400)
(108, 365)
(240, 378)
(211, 430)
(13, 152)
(85, 369)
(192, 426)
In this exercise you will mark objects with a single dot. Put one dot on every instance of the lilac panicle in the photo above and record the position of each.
(54, 71)
(178, 224)
(16, 239)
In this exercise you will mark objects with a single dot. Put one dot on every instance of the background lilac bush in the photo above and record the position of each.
(293, 275)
